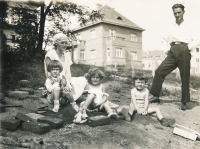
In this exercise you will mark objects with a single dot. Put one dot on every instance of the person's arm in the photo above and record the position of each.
(165, 45)
(47, 61)
(104, 96)
(64, 84)
(195, 39)
(146, 102)
(49, 86)
(133, 100)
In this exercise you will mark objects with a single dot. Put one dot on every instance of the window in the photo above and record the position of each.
(197, 49)
(134, 37)
(134, 55)
(108, 54)
(112, 32)
(78, 36)
(118, 52)
(119, 18)
(82, 54)
(92, 34)
(93, 54)
(157, 57)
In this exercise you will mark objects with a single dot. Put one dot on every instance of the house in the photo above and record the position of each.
(152, 59)
(195, 64)
(113, 41)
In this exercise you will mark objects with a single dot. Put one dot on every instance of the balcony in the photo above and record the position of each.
(114, 40)
(79, 43)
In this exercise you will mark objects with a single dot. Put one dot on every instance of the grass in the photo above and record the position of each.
(34, 72)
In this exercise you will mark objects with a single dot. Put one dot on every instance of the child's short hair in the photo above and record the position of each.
(54, 64)
(140, 76)
(93, 72)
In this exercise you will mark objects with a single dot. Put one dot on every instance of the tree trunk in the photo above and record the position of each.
(41, 30)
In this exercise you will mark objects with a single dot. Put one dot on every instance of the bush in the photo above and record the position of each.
(195, 81)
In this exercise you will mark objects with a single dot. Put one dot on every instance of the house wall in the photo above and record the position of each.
(100, 44)
(128, 46)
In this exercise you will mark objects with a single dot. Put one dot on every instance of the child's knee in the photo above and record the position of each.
(57, 88)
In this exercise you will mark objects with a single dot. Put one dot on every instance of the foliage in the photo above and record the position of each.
(195, 82)
(31, 25)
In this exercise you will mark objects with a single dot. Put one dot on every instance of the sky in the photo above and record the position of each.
(151, 15)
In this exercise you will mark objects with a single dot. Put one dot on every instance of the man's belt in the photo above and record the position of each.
(177, 42)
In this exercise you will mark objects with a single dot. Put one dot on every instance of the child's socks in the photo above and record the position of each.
(56, 106)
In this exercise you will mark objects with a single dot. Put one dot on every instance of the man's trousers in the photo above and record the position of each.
(178, 56)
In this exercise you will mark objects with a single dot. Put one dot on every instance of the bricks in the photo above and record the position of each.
(18, 94)
(10, 124)
(30, 90)
(52, 121)
(24, 83)
(35, 127)
(34, 116)
(23, 117)
(98, 120)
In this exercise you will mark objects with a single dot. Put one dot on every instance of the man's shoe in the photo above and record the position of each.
(183, 106)
(154, 100)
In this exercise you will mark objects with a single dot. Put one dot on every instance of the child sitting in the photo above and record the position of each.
(140, 102)
(97, 96)
(57, 91)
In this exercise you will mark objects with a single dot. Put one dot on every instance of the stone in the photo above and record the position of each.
(35, 127)
(30, 90)
(98, 120)
(24, 83)
(34, 116)
(18, 94)
(23, 117)
(10, 124)
(52, 121)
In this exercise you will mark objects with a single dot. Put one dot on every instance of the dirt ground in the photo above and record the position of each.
(141, 133)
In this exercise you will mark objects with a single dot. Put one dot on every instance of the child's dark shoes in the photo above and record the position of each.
(167, 122)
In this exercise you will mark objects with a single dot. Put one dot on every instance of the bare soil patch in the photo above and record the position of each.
(143, 132)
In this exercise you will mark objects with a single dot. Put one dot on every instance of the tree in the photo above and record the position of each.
(56, 12)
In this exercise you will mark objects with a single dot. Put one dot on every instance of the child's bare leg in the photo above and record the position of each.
(157, 111)
(68, 96)
(88, 101)
(108, 109)
(163, 121)
(56, 96)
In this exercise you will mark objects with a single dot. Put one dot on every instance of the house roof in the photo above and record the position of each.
(113, 17)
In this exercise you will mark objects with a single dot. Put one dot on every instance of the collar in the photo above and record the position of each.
(183, 23)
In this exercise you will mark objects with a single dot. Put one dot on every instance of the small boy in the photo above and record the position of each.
(57, 90)
(140, 102)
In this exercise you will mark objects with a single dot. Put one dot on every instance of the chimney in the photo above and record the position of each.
(98, 7)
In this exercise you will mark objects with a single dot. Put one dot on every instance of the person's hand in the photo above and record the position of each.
(69, 87)
(66, 89)
(167, 52)
(96, 104)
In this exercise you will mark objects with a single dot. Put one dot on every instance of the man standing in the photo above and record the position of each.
(181, 37)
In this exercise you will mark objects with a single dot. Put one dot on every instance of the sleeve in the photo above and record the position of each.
(195, 36)
(165, 45)
(48, 85)
(104, 90)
